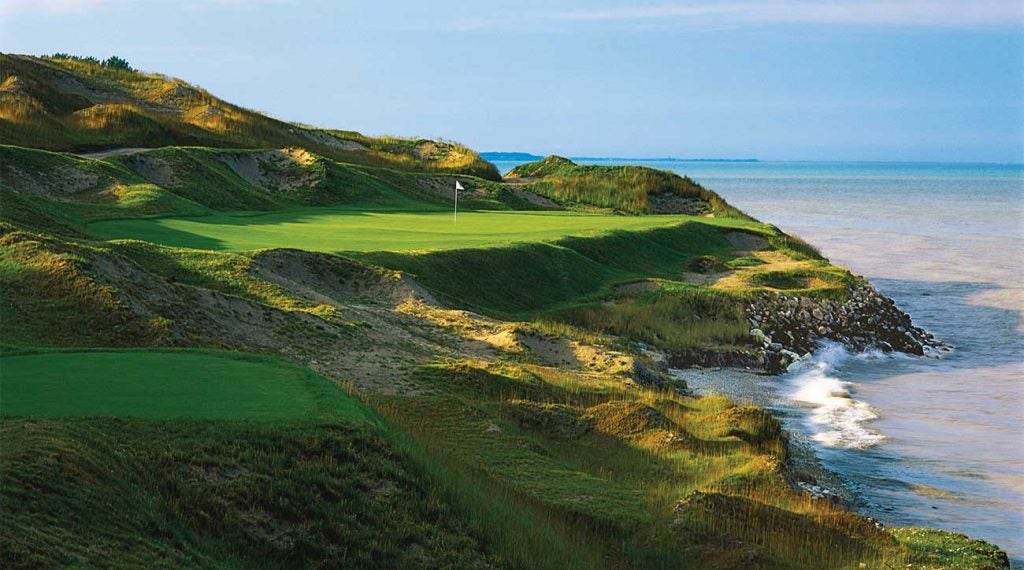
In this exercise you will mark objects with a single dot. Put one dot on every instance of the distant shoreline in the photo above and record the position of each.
(662, 159)
(531, 157)
(528, 157)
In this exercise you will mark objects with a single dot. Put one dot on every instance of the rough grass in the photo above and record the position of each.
(611, 466)
(823, 280)
(84, 189)
(935, 549)
(49, 297)
(595, 483)
(221, 460)
(525, 280)
(230, 460)
(624, 188)
(70, 105)
(673, 318)
(197, 181)
(219, 494)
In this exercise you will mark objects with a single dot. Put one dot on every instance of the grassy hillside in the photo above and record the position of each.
(48, 190)
(198, 477)
(527, 278)
(70, 104)
(537, 452)
(219, 388)
(544, 471)
(636, 189)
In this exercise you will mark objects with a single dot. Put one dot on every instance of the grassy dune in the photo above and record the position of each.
(627, 188)
(216, 459)
(514, 465)
(527, 278)
(196, 181)
(527, 432)
(517, 265)
(71, 104)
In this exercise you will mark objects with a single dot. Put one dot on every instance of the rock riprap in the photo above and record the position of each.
(788, 326)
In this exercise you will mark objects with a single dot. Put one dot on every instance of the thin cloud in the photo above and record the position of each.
(49, 6)
(76, 7)
(918, 13)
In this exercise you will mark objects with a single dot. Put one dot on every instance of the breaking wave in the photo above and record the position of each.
(836, 418)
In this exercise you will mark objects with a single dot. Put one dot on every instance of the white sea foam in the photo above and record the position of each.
(836, 418)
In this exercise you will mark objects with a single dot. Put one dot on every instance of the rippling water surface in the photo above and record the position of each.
(921, 441)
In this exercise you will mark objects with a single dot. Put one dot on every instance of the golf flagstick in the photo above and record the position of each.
(457, 188)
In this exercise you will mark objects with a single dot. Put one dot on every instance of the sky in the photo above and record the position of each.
(899, 80)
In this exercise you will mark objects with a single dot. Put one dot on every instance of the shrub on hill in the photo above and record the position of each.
(112, 62)
(626, 188)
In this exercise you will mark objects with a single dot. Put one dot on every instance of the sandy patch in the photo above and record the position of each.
(444, 187)
(335, 280)
(489, 339)
(156, 170)
(705, 278)
(746, 242)
(669, 203)
(329, 140)
(284, 170)
(535, 199)
(57, 183)
(636, 287)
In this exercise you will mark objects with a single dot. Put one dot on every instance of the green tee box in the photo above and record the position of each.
(168, 384)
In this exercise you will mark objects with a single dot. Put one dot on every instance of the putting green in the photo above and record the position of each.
(347, 229)
(166, 384)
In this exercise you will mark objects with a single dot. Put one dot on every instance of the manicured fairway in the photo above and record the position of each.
(164, 384)
(335, 229)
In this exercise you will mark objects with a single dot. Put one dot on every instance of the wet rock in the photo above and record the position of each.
(866, 319)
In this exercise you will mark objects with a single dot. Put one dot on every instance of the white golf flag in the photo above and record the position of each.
(457, 188)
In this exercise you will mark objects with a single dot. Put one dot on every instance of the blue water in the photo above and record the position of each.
(933, 442)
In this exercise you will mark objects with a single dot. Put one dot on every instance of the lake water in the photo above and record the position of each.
(933, 442)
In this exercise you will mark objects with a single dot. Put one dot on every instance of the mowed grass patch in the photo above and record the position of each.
(168, 384)
(358, 229)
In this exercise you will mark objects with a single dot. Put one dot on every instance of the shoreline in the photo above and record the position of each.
(805, 469)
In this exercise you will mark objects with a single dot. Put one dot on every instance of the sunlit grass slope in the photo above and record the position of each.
(73, 104)
(636, 189)
(646, 478)
(48, 190)
(459, 440)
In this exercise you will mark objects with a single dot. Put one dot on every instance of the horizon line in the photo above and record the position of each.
(761, 160)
